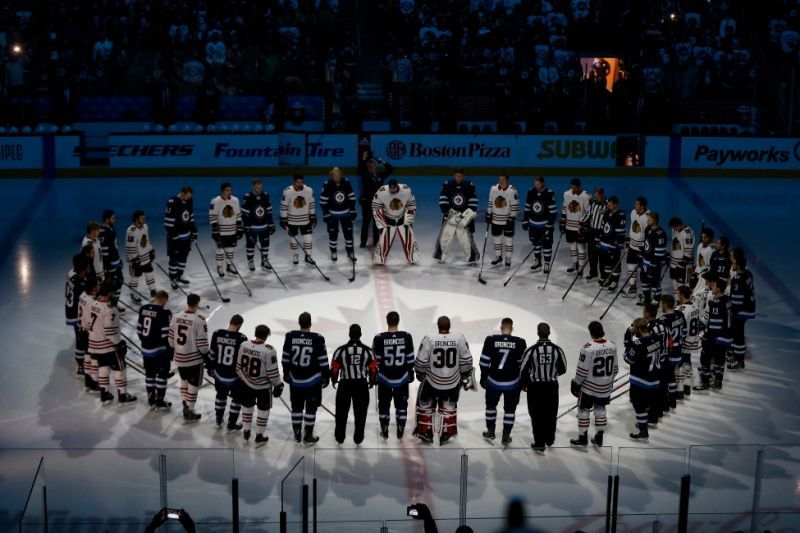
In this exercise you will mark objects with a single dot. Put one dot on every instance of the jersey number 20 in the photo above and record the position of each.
(603, 366)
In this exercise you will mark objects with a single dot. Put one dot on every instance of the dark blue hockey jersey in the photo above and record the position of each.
(222, 354)
(655, 246)
(743, 294)
(718, 329)
(153, 329)
(108, 248)
(179, 218)
(501, 361)
(257, 212)
(614, 230)
(458, 197)
(675, 323)
(720, 265)
(337, 199)
(540, 208)
(395, 354)
(643, 354)
(304, 359)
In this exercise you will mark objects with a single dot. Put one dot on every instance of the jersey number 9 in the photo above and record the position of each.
(146, 323)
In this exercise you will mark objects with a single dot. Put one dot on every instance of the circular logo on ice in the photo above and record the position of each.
(339, 197)
(260, 211)
(396, 150)
(458, 200)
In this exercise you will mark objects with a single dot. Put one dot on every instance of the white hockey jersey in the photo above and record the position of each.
(682, 248)
(137, 244)
(638, 225)
(574, 208)
(503, 204)
(257, 365)
(97, 260)
(442, 358)
(703, 257)
(225, 214)
(103, 327)
(298, 207)
(597, 368)
(394, 209)
(188, 336)
(85, 302)
(691, 334)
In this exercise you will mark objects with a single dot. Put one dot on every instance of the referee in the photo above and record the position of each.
(593, 229)
(355, 369)
(544, 362)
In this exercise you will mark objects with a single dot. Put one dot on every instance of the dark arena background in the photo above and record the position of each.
(663, 135)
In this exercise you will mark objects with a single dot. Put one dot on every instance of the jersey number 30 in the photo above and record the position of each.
(444, 357)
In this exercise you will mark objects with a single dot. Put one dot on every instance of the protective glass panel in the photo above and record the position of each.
(199, 481)
(292, 495)
(350, 527)
(723, 478)
(650, 479)
(33, 516)
(780, 480)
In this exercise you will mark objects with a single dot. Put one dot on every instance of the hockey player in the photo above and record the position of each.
(92, 238)
(704, 251)
(188, 337)
(659, 329)
(653, 254)
(501, 365)
(258, 224)
(394, 351)
(443, 366)
(573, 210)
(107, 347)
(691, 340)
(181, 231)
(85, 303)
(458, 202)
(306, 370)
(720, 262)
(73, 289)
(635, 243)
(743, 306)
(539, 219)
(372, 179)
(140, 255)
(355, 370)
(501, 215)
(592, 384)
(716, 338)
(298, 216)
(221, 364)
(543, 363)
(109, 251)
(338, 203)
(394, 209)
(681, 253)
(642, 353)
(259, 381)
(675, 322)
(225, 217)
(153, 331)
(592, 225)
(612, 243)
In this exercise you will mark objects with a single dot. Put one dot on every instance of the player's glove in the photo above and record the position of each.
(271, 229)
(152, 255)
(483, 381)
(135, 268)
(277, 390)
(562, 225)
(239, 233)
(525, 225)
(373, 380)
(352, 215)
(466, 381)
(284, 224)
(575, 388)
(420, 377)
(411, 376)
(122, 348)
(215, 233)
(194, 234)
(488, 218)
(313, 222)
(326, 217)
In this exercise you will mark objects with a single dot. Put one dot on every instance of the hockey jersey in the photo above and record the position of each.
(394, 209)
(442, 358)
(501, 361)
(691, 338)
(643, 354)
(153, 329)
(137, 245)
(612, 236)
(394, 351)
(675, 322)
(222, 356)
(225, 215)
(574, 209)
(654, 250)
(458, 197)
(188, 336)
(257, 365)
(638, 225)
(103, 327)
(682, 252)
(659, 329)
(597, 366)
(72, 292)
(540, 208)
(108, 248)
(85, 311)
(720, 265)
(718, 329)
(257, 212)
(503, 205)
(298, 207)
(703, 257)
(337, 199)
(97, 258)
(743, 294)
(179, 218)
(305, 359)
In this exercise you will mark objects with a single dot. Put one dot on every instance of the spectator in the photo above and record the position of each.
(215, 50)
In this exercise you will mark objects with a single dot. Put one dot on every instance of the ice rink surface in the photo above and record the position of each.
(42, 405)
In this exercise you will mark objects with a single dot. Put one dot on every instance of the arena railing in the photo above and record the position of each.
(294, 499)
(34, 513)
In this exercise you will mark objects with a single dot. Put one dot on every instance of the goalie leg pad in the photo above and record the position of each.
(467, 216)
(448, 232)
(383, 244)
(409, 243)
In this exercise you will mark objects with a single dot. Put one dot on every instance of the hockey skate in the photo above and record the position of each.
(424, 436)
(400, 431)
(173, 284)
(231, 269)
(537, 265)
(310, 261)
(537, 448)
(298, 436)
(295, 259)
(261, 440)
(151, 400)
(310, 439)
(497, 261)
(703, 388)
(506, 440)
(489, 436)
(125, 397)
(334, 256)
(612, 287)
(445, 438)
(234, 426)
(508, 264)
(189, 416)
(251, 265)
(384, 433)
(687, 391)
(597, 440)
(265, 264)
(219, 420)
(161, 404)
(79, 374)
(641, 435)
(351, 256)
(220, 272)
(136, 298)
(183, 281)
(735, 366)
(574, 269)
(546, 268)
(630, 292)
(581, 443)
(152, 293)
(246, 435)
(106, 397)
(716, 385)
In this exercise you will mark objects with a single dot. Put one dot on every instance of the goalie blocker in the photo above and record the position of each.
(394, 209)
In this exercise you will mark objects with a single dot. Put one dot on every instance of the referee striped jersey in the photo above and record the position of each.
(354, 361)
(544, 362)
(594, 215)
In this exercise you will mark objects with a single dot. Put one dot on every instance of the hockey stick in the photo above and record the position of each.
(134, 289)
(205, 264)
(230, 264)
(309, 258)
(518, 267)
(167, 274)
(577, 277)
(622, 288)
(439, 240)
(608, 278)
(269, 265)
(352, 278)
(550, 265)
(483, 256)
(615, 389)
